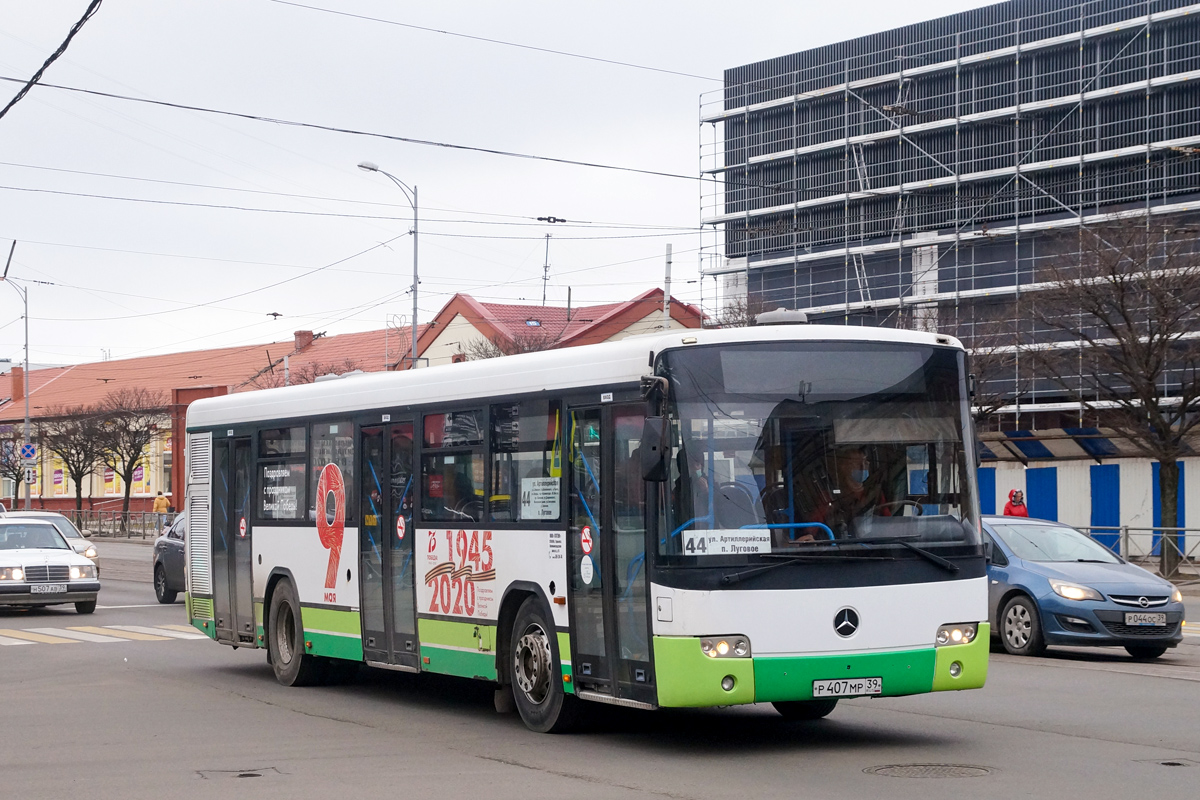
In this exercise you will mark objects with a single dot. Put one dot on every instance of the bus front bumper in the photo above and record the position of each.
(688, 678)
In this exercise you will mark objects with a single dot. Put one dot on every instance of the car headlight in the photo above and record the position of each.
(725, 647)
(12, 574)
(91, 551)
(956, 633)
(1073, 591)
(83, 572)
(1177, 596)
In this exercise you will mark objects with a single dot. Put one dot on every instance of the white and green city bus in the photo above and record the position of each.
(783, 514)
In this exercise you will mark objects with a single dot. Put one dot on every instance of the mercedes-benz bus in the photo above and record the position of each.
(781, 514)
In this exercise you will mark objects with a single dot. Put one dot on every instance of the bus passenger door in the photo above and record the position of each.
(607, 542)
(385, 551)
(233, 588)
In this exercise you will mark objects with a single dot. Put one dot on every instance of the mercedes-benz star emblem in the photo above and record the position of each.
(1144, 602)
(845, 622)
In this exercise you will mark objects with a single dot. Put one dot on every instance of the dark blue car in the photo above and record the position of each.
(1049, 584)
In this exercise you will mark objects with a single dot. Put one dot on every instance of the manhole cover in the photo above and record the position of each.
(259, 772)
(929, 771)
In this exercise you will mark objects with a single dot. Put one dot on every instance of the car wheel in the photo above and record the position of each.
(164, 595)
(1020, 628)
(285, 641)
(536, 677)
(85, 606)
(1145, 652)
(806, 709)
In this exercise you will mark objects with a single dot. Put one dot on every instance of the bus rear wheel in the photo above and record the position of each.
(285, 641)
(536, 678)
(806, 709)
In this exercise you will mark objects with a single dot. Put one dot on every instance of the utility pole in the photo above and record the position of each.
(29, 463)
(546, 270)
(667, 293)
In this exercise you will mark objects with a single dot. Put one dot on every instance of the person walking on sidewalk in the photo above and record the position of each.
(1015, 507)
(160, 510)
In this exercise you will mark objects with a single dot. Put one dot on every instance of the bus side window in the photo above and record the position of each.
(526, 462)
(452, 467)
(332, 443)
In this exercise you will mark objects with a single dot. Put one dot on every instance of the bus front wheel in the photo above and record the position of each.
(806, 709)
(285, 642)
(536, 677)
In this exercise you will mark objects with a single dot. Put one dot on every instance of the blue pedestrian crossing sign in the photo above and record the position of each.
(28, 451)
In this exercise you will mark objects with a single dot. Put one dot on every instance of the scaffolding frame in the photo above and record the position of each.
(829, 174)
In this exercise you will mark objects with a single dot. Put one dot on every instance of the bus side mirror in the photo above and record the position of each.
(654, 449)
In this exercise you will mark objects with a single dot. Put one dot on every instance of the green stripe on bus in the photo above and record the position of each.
(324, 644)
(564, 654)
(972, 660)
(199, 607)
(327, 619)
(463, 663)
(791, 678)
(471, 635)
(688, 678)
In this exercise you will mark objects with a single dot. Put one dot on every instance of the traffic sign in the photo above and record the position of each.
(30, 475)
(29, 451)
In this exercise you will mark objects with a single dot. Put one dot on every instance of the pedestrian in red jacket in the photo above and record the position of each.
(1015, 507)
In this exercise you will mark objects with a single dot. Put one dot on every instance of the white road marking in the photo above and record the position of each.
(158, 631)
(5, 641)
(82, 636)
(148, 605)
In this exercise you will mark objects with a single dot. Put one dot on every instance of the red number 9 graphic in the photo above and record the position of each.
(332, 532)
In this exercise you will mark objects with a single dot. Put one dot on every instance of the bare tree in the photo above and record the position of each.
(995, 348)
(73, 434)
(497, 346)
(304, 373)
(12, 466)
(740, 312)
(1124, 300)
(130, 420)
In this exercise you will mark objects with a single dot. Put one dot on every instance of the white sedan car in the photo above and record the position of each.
(39, 568)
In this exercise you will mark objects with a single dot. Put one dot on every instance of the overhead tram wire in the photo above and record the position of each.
(395, 138)
(569, 223)
(232, 296)
(501, 42)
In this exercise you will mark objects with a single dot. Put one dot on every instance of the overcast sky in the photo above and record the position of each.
(123, 278)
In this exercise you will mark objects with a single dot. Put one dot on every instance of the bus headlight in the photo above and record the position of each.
(956, 633)
(725, 646)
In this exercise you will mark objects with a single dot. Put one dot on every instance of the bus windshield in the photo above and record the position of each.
(798, 447)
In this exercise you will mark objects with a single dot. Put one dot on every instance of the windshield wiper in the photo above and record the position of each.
(903, 541)
(787, 560)
(1093, 561)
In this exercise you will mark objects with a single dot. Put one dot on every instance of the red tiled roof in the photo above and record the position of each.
(587, 324)
(243, 368)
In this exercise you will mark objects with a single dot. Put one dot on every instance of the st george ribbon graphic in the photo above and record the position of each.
(331, 527)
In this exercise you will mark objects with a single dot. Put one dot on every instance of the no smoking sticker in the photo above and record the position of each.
(242, 527)
(400, 527)
(585, 540)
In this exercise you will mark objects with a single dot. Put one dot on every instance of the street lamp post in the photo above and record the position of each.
(410, 194)
(25, 298)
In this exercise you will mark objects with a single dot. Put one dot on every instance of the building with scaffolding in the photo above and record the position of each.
(917, 177)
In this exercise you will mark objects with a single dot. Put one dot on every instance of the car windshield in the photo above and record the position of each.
(783, 447)
(30, 536)
(1052, 543)
(67, 528)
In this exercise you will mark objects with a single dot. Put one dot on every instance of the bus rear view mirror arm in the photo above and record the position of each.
(654, 449)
